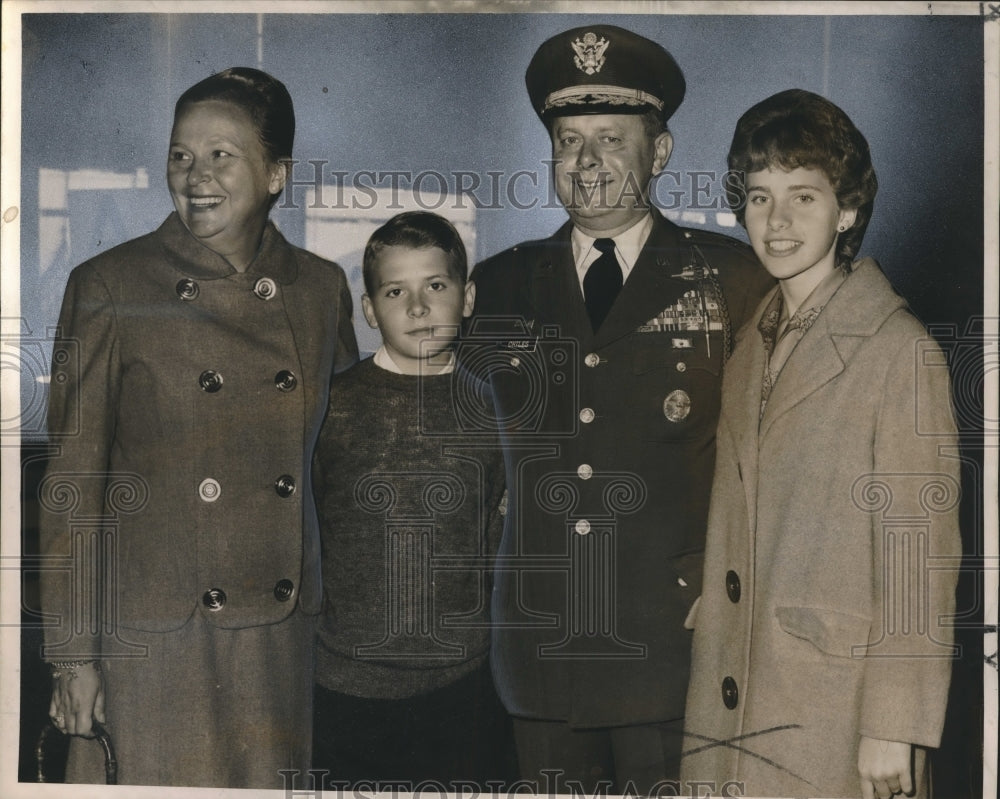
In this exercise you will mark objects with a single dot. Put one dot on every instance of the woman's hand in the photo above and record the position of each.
(884, 767)
(77, 699)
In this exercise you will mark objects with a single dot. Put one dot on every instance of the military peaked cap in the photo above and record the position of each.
(603, 69)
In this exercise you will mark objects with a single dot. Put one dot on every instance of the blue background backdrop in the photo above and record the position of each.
(445, 92)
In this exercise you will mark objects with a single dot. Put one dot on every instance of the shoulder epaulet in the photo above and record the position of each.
(520, 250)
(711, 238)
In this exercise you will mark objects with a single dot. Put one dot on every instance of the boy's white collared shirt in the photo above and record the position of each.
(384, 361)
(628, 245)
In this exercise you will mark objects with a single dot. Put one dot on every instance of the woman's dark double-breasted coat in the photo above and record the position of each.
(185, 400)
(609, 441)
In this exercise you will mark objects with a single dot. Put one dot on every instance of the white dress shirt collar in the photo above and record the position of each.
(628, 245)
(384, 361)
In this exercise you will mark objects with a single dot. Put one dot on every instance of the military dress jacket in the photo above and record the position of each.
(609, 448)
(832, 553)
(185, 399)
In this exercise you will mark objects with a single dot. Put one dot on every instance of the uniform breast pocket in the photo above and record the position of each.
(677, 381)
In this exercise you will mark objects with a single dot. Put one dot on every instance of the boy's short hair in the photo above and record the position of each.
(796, 128)
(417, 230)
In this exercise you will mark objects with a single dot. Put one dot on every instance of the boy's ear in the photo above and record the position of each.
(369, 311)
(470, 298)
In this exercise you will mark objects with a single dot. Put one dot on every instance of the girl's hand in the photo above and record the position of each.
(884, 767)
(692, 617)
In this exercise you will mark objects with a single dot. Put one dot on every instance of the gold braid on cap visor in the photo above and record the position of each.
(600, 95)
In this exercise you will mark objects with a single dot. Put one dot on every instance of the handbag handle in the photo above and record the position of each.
(100, 735)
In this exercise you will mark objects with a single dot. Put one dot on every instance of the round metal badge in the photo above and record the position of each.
(677, 406)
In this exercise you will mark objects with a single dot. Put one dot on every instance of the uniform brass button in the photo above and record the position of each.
(210, 381)
(283, 590)
(592, 359)
(515, 362)
(587, 415)
(187, 289)
(285, 485)
(265, 288)
(733, 588)
(584, 471)
(730, 693)
(285, 380)
(214, 599)
(681, 366)
(209, 489)
(582, 527)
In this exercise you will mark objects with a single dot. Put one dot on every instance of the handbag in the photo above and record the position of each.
(100, 735)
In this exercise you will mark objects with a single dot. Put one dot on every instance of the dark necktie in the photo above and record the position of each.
(602, 283)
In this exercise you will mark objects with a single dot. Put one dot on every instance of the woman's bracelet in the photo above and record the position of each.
(64, 666)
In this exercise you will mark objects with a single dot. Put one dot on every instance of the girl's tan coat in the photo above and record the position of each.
(837, 513)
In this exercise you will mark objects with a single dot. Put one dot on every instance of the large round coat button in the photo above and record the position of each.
(214, 599)
(209, 489)
(592, 359)
(730, 693)
(587, 415)
(285, 485)
(187, 289)
(265, 288)
(285, 380)
(283, 590)
(582, 527)
(584, 471)
(733, 586)
(210, 381)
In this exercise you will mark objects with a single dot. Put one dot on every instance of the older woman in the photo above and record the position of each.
(204, 354)
(822, 642)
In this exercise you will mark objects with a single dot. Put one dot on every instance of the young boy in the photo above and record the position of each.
(408, 506)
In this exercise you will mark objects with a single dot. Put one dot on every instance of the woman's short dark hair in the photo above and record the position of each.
(417, 230)
(264, 98)
(796, 128)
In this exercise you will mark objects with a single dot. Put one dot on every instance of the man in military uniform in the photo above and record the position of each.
(605, 344)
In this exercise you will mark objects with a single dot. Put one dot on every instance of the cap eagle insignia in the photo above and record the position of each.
(589, 53)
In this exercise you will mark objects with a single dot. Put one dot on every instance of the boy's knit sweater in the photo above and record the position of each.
(408, 509)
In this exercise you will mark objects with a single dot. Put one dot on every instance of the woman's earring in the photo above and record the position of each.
(842, 228)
